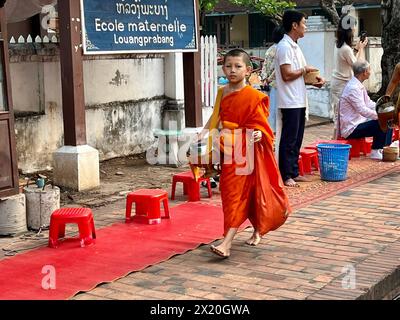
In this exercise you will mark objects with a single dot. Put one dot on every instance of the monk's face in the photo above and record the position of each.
(235, 69)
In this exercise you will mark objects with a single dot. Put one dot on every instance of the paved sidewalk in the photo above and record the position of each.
(344, 247)
(313, 256)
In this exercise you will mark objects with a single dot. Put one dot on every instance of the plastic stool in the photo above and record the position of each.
(368, 144)
(396, 134)
(301, 167)
(190, 186)
(357, 146)
(309, 157)
(147, 203)
(81, 216)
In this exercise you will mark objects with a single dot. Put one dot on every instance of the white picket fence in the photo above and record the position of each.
(209, 78)
(37, 39)
(209, 81)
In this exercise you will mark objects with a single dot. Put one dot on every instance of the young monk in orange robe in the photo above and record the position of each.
(252, 189)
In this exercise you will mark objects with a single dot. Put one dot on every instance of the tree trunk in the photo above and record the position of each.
(329, 6)
(390, 40)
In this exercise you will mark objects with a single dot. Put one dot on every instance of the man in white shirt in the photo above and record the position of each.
(357, 114)
(290, 68)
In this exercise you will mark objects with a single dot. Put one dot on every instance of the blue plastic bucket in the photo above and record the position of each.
(333, 161)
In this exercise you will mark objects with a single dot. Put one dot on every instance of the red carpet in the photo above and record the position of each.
(119, 250)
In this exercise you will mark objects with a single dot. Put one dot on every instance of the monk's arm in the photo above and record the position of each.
(394, 82)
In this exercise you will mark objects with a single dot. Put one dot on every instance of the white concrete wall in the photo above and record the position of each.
(174, 76)
(27, 92)
(38, 136)
(107, 81)
(374, 54)
(120, 115)
(319, 101)
(317, 47)
(124, 128)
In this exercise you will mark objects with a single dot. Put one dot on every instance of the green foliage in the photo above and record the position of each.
(272, 8)
(266, 7)
(207, 5)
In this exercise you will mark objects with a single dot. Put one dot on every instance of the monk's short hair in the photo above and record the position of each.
(360, 67)
(239, 53)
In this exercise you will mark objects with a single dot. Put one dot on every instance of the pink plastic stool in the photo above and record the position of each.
(81, 216)
(147, 203)
(190, 186)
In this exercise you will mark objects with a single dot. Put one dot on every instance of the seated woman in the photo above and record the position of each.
(357, 115)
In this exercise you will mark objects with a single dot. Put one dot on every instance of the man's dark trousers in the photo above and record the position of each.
(293, 123)
(371, 129)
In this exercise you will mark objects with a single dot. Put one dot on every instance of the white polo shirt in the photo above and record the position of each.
(292, 94)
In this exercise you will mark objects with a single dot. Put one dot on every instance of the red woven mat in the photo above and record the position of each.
(360, 171)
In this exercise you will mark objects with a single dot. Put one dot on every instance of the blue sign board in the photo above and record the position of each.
(125, 26)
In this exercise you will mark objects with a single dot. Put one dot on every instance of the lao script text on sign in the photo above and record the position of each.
(125, 26)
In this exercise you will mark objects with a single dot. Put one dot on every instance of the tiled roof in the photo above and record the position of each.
(226, 6)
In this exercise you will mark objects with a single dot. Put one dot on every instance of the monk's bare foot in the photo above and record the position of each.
(301, 179)
(290, 183)
(254, 240)
(220, 251)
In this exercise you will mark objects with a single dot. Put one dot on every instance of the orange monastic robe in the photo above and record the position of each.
(258, 195)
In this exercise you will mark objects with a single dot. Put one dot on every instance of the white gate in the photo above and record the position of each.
(208, 70)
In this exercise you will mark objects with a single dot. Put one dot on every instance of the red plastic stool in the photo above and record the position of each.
(147, 203)
(81, 216)
(357, 146)
(301, 167)
(396, 134)
(309, 157)
(190, 186)
(368, 144)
